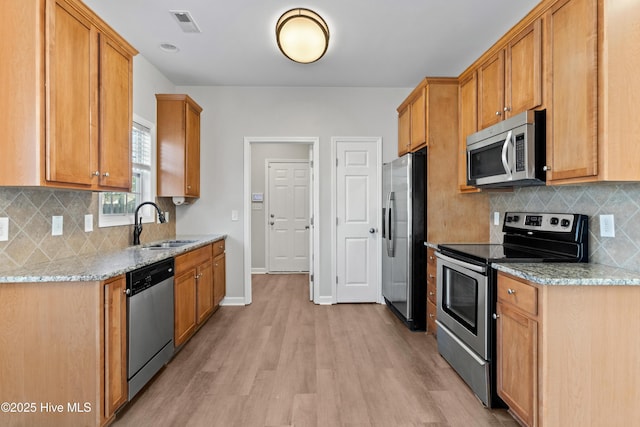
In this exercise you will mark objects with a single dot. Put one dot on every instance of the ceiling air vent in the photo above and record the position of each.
(185, 20)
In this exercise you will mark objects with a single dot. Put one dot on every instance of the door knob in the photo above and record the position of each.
(372, 230)
(271, 222)
(306, 227)
(272, 215)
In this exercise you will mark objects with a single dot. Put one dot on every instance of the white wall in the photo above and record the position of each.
(232, 113)
(147, 81)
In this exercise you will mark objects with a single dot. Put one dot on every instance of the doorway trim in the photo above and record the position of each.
(334, 211)
(314, 142)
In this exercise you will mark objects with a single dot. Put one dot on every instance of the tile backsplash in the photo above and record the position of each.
(30, 241)
(620, 200)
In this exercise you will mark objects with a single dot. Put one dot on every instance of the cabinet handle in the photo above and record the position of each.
(96, 173)
(511, 291)
(106, 174)
(496, 316)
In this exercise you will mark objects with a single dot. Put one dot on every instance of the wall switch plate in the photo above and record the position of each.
(88, 223)
(496, 218)
(4, 229)
(56, 225)
(166, 217)
(234, 215)
(607, 226)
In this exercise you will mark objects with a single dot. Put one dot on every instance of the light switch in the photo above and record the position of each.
(88, 223)
(4, 229)
(496, 218)
(56, 225)
(607, 226)
(234, 215)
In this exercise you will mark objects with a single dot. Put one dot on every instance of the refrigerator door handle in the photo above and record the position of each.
(384, 220)
(390, 240)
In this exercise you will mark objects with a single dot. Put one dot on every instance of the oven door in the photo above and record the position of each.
(462, 301)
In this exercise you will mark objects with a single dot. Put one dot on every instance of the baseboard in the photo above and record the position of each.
(233, 301)
(324, 301)
(258, 271)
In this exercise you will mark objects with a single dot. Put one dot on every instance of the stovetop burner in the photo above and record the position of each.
(531, 237)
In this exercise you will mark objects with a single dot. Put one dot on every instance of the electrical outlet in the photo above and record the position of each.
(607, 226)
(496, 218)
(56, 225)
(88, 223)
(4, 229)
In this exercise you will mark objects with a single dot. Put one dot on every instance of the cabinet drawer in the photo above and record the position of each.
(192, 259)
(431, 317)
(518, 294)
(431, 291)
(218, 247)
(431, 257)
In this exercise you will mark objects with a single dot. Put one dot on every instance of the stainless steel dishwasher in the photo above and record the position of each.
(150, 322)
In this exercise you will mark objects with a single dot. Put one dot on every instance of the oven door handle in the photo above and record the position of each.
(473, 267)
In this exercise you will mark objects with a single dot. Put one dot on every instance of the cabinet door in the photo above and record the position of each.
(468, 119)
(192, 155)
(219, 279)
(418, 120)
(185, 307)
(523, 71)
(517, 349)
(204, 289)
(571, 43)
(71, 97)
(491, 91)
(404, 131)
(115, 116)
(115, 348)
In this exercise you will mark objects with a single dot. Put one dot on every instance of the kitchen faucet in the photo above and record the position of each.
(137, 227)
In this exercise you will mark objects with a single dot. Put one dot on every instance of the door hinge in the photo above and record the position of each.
(310, 163)
(336, 280)
(336, 161)
(311, 278)
(311, 220)
(336, 220)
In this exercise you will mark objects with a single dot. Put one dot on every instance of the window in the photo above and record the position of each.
(118, 208)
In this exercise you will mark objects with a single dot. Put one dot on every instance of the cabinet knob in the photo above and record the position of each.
(96, 173)
(127, 291)
(431, 258)
(546, 168)
(507, 109)
(498, 113)
(431, 276)
(106, 174)
(511, 291)
(431, 315)
(431, 293)
(496, 316)
(189, 187)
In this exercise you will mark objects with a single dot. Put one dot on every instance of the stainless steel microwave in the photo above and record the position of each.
(510, 153)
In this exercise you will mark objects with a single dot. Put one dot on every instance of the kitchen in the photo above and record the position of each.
(221, 183)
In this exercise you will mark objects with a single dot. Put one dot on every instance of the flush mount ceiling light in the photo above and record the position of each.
(302, 35)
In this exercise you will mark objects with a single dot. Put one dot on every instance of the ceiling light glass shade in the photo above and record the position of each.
(302, 35)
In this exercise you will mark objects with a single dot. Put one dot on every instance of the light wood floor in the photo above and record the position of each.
(283, 361)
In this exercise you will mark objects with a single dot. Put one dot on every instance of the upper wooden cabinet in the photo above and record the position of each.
(67, 85)
(510, 81)
(178, 132)
(468, 124)
(412, 121)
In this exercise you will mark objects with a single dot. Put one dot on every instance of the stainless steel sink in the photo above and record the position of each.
(168, 244)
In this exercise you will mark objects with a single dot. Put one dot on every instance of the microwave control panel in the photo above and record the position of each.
(520, 154)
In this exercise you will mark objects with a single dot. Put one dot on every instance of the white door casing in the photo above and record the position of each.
(313, 143)
(357, 212)
(287, 215)
(312, 177)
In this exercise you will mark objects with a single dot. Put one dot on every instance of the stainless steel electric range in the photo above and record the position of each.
(466, 288)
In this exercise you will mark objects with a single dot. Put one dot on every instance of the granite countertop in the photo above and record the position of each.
(571, 274)
(102, 266)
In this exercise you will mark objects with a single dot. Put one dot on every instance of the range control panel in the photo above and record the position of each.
(539, 221)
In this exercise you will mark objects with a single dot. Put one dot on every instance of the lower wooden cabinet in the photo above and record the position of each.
(63, 348)
(567, 355)
(432, 297)
(199, 286)
(115, 338)
(219, 272)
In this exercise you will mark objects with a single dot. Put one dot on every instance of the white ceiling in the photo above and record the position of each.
(373, 43)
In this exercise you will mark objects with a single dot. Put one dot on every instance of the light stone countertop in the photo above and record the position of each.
(571, 274)
(102, 266)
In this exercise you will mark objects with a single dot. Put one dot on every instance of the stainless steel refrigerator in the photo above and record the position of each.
(404, 231)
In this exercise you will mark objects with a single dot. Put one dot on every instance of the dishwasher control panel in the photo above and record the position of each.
(144, 277)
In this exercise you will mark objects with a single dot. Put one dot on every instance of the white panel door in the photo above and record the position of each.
(288, 216)
(357, 211)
